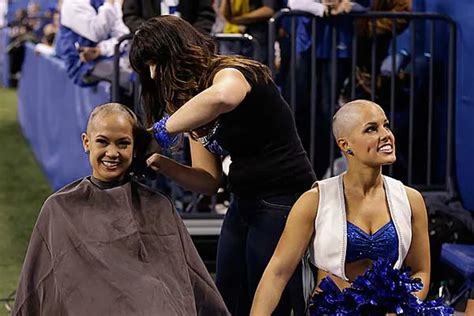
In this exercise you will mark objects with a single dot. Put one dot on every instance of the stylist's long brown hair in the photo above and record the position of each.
(185, 63)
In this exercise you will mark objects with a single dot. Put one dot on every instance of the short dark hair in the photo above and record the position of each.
(108, 108)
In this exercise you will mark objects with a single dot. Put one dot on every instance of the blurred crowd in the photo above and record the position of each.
(84, 33)
(90, 29)
(31, 24)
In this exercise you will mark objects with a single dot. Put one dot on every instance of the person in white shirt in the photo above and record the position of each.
(89, 30)
(102, 26)
(321, 7)
(3, 12)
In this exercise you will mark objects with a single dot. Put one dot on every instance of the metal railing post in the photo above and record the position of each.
(411, 176)
(116, 73)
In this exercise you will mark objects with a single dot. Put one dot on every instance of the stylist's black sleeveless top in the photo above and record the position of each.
(260, 135)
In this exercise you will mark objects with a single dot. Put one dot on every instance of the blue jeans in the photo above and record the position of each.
(249, 235)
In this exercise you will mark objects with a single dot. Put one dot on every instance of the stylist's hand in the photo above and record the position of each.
(155, 142)
(154, 162)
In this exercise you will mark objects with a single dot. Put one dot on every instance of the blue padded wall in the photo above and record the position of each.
(462, 11)
(53, 113)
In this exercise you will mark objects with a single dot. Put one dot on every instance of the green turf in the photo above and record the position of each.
(23, 188)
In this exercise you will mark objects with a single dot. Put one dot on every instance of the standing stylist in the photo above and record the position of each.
(229, 106)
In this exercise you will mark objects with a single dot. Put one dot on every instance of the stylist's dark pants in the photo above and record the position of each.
(249, 235)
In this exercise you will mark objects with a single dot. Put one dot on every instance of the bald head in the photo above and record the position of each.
(347, 117)
(110, 109)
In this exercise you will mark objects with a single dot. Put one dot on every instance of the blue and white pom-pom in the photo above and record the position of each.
(380, 290)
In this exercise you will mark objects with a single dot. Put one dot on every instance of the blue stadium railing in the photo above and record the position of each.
(437, 172)
(427, 180)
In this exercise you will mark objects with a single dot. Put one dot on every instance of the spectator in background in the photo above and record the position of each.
(326, 100)
(404, 55)
(19, 33)
(253, 22)
(46, 47)
(47, 44)
(33, 9)
(382, 28)
(36, 20)
(366, 30)
(49, 32)
(19, 23)
(218, 26)
(29, 28)
(3, 12)
(237, 7)
(88, 34)
(199, 13)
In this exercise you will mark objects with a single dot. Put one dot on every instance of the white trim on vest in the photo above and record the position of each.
(328, 251)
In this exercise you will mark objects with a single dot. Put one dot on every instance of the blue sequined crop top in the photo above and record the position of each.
(382, 244)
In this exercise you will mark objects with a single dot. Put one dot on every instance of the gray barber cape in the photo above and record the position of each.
(103, 249)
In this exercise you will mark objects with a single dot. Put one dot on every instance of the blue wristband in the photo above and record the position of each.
(162, 137)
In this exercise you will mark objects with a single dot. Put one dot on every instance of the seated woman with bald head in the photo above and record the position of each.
(360, 228)
(108, 245)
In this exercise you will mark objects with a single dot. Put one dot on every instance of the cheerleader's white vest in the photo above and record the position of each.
(328, 249)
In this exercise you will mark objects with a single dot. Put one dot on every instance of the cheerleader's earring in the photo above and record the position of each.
(350, 152)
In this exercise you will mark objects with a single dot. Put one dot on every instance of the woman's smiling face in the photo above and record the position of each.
(371, 139)
(110, 145)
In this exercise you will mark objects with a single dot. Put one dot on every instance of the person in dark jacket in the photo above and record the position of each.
(199, 13)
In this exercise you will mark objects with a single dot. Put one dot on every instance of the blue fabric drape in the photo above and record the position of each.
(53, 113)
